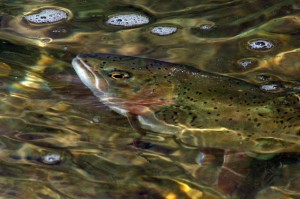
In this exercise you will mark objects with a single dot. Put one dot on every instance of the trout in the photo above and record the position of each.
(198, 108)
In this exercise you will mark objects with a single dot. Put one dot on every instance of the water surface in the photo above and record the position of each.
(58, 141)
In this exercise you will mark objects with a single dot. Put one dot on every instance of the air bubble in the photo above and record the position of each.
(51, 159)
(163, 30)
(206, 26)
(247, 63)
(270, 87)
(263, 77)
(128, 20)
(47, 15)
(96, 119)
(260, 44)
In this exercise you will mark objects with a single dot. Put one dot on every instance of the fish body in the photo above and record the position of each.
(200, 109)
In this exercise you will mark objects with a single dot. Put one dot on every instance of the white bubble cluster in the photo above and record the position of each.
(47, 16)
(206, 26)
(245, 63)
(51, 158)
(128, 20)
(263, 77)
(270, 87)
(260, 45)
(163, 30)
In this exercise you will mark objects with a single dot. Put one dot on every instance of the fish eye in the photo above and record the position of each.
(117, 75)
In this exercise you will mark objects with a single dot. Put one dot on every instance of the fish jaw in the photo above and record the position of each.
(93, 81)
(100, 87)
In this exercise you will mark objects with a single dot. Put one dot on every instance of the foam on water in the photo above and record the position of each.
(51, 158)
(245, 63)
(270, 87)
(128, 20)
(163, 30)
(47, 16)
(260, 44)
(206, 26)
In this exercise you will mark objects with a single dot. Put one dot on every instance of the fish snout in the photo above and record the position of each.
(91, 78)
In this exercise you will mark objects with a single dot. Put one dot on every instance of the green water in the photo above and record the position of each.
(58, 141)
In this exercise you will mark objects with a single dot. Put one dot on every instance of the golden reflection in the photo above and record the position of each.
(171, 196)
(5, 69)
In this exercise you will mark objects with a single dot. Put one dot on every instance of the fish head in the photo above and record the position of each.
(123, 81)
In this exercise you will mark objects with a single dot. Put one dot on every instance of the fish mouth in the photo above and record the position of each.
(87, 75)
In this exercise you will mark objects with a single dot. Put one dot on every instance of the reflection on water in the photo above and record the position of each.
(58, 141)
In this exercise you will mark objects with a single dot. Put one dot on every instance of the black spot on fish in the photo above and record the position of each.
(193, 119)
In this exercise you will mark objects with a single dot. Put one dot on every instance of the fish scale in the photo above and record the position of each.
(201, 109)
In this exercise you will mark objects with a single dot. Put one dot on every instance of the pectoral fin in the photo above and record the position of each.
(236, 167)
(134, 123)
(149, 121)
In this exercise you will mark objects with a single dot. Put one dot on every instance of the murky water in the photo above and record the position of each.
(58, 141)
